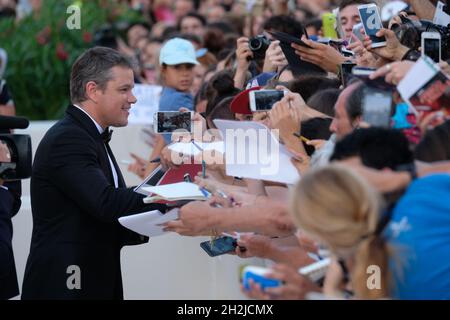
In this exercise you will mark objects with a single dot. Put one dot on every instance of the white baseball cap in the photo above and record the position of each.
(177, 51)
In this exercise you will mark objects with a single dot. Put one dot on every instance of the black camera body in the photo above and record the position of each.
(428, 26)
(259, 45)
(19, 148)
(446, 9)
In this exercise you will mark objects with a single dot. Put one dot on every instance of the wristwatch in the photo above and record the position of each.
(412, 55)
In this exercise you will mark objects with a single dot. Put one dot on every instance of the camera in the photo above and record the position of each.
(166, 122)
(423, 26)
(259, 45)
(15, 151)
(263, 100)
(446, 9)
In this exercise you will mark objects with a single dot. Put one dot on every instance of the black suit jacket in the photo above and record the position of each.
(75, 210)
(8, 278)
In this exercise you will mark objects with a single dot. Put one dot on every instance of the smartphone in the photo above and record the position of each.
(219, 246)
(258, 275)
(431, 45)
(329, 26)
(316, 271)
(363, 71)
(379, 83)
(371, 20)
(357, 31)
(346, 72)
(263, 100)
(377, 108)
(166, 122)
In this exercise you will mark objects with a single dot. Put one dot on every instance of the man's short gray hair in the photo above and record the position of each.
(94, 65)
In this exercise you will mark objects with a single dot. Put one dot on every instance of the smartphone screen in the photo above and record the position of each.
(363, 72)
(219, 246)
(357, 31)
(432, 48)
(370, 18)
(168, 122)
(377, 108)
(263, 100)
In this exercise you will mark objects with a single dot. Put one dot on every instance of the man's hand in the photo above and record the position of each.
(255, 246)
(243, 54)
(286, 117)
(243, 57)
(139, 165)
(445, 67)
(393, 51)
(317, 144)
(393, 72)
(321, 55)
(294, 286)
(195, 220)
(275, 58)
(151, 138)
(364, 58)
(170, 159)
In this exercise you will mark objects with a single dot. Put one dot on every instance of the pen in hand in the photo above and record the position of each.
(305, 140)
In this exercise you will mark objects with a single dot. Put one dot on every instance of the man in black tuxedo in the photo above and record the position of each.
(78, 192)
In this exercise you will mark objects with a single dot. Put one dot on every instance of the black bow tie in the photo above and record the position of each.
(106, 135)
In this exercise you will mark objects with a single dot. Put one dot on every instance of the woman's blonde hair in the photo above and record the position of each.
(334, 205)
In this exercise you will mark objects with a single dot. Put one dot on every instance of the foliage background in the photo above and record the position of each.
(41, 50)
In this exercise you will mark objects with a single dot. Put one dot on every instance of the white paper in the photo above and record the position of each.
(147, 103)
(176, 191)
(440, 17)
(148, 223)
(218, 146)
(253, 152)
(419, 75)
(189, 149)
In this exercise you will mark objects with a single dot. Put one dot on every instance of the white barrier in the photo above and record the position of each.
(168, 267)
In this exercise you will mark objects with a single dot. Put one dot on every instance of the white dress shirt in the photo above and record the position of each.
(101, 130)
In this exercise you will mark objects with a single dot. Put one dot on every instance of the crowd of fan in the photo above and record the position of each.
(368, 196)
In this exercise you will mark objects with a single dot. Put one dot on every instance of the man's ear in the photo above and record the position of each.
(356, 123)
(92, 91)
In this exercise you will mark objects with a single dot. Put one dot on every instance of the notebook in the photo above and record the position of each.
(148, 223)
(299, 66)
(175, 192)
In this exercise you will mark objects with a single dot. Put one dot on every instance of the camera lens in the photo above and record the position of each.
(255, 44)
